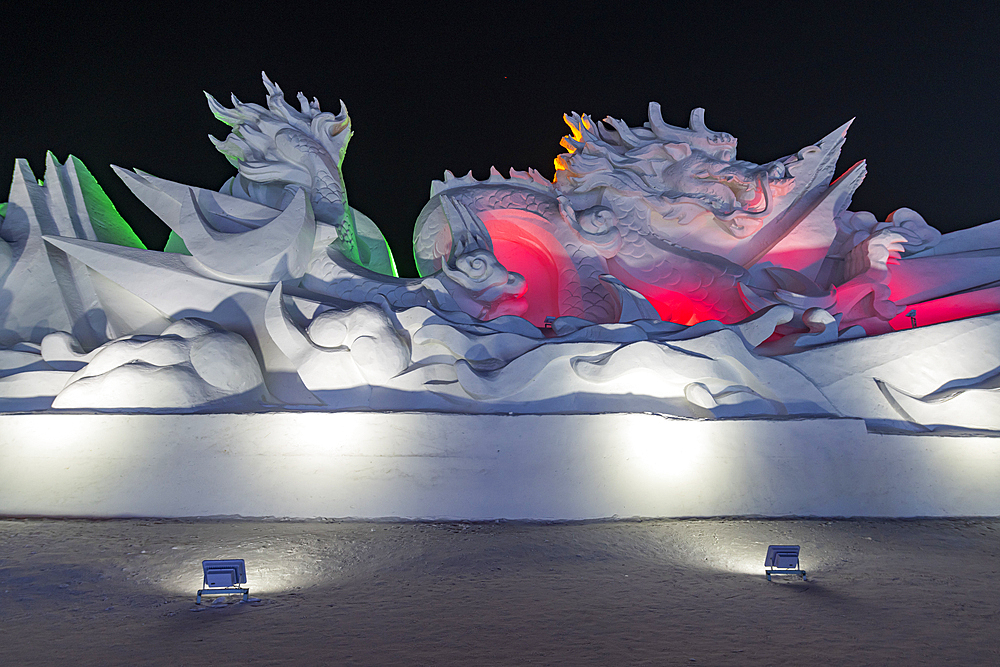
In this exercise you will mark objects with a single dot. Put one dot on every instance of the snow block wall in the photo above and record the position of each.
(478, 467)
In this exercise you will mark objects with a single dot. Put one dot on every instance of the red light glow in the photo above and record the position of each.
(524, 247)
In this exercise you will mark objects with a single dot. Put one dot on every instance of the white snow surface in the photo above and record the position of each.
(692, 592)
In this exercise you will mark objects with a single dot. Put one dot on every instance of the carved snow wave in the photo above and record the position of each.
(507, 365)
(192, 366)
(371, 357)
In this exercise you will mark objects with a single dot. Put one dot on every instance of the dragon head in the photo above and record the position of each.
(472, 274)
(682, 174)
(280, 149)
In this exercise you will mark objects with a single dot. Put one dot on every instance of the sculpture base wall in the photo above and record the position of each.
(428, 465)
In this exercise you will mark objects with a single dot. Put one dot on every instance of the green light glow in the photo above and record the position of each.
(392, 262)
(375, 250)
(175, 244)
(108, 224)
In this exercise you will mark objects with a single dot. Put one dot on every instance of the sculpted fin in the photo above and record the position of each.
(291, 340)
(812, 168)
(815, 165)
(467, 230)
(233, 237)
(632, 306)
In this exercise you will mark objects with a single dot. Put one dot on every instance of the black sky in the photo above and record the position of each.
(446, 86)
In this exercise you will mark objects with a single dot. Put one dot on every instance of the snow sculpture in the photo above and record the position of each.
(470, 279)
(674, 215)
(280, 151)
(655, 272)
(45, 291)
(191, 365)
(354, 348)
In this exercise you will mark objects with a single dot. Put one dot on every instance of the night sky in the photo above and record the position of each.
(442, 86)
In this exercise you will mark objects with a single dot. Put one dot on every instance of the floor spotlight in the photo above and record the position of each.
(782, 559)
(222, 577)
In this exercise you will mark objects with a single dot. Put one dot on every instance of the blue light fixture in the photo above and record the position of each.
(222, 577)
(783, 559)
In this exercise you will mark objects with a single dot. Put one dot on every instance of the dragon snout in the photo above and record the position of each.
(516, 284)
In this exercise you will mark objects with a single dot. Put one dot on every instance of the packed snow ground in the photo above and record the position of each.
(600, 593)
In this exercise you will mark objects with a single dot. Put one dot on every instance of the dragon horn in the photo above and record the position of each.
(697, 122)
(624, 131)
(270, 85)
(660, 128)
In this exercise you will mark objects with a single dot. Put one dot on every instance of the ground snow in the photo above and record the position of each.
(596, 593)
